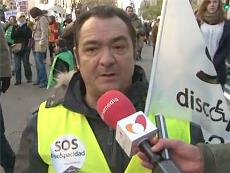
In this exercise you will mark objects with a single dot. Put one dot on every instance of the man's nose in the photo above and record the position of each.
(107, 57)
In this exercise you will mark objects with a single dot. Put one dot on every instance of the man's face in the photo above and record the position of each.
(129, 11)
(105, 55)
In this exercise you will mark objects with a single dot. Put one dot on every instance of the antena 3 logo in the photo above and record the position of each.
(138, 126)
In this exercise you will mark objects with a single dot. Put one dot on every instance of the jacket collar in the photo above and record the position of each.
(74, 94)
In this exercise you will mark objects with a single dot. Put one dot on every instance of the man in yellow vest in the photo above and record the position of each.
(66, 134)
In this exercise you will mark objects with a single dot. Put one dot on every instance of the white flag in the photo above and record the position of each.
(183, 78)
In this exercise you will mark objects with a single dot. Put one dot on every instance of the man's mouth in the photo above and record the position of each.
(108, 75)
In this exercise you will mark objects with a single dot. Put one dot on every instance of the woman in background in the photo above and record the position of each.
(216, 33)
(40, 36)
(53, 35)
(21, 33)
(8, 27)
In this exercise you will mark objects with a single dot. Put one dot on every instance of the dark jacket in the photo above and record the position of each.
(216, 158)
(28, 159)
(68, 35)
(222, 53)
(137, 24)
(21, 34)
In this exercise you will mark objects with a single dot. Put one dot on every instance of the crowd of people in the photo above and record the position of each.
(39, 35)
(106, 42)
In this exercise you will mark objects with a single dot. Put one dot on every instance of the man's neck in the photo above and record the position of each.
(91, 100)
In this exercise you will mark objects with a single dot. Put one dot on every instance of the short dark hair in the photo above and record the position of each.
(35, 12)
(14, 18)
(61, 42)
(128, 7)
(105, 12)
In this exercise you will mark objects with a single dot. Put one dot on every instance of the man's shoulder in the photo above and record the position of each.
(57, 98)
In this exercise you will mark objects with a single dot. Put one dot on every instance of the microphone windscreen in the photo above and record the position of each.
(113, 106)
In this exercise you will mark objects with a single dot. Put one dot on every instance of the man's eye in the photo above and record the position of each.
(91, 51)
(119, 47)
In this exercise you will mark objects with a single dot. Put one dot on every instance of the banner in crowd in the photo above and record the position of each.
(183, 80)
(17, 1)
(10, 13)
(22, 5)
(16, 6)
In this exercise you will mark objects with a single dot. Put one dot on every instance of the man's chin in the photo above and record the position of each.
(108, 88)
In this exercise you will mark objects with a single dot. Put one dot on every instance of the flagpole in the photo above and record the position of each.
(155, 58)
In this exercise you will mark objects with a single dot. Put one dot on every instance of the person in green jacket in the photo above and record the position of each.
(63, 62)
(200, 158)
(8, 29)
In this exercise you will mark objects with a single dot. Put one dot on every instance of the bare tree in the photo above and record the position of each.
(93, 3)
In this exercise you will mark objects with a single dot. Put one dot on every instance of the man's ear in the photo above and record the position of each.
(76, 55)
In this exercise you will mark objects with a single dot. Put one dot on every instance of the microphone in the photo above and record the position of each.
(165, 165)
(133, 128)
(162, 133)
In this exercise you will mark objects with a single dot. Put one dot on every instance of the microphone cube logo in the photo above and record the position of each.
(132, 130)
(138, 126)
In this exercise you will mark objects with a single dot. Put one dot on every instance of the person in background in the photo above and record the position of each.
(45, 14)
(53, 35)
(8, 27)
(7, 156)
(63, 61)
(66, 22)
(154, 33)
(137, 24)
(147, 30)
(202, 158)
(21, 33)
(216, 33)
(105, 44)
(68, 32)
(40, 36)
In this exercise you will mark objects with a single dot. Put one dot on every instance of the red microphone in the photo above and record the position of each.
(113, 106)
(132, 128)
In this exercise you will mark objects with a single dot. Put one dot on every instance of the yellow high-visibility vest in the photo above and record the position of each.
(64, 135)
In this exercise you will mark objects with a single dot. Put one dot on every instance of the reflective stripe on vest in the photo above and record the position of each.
(56, 122)
(176, 128)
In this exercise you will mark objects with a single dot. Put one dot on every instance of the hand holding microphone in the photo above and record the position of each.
(134, 129)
